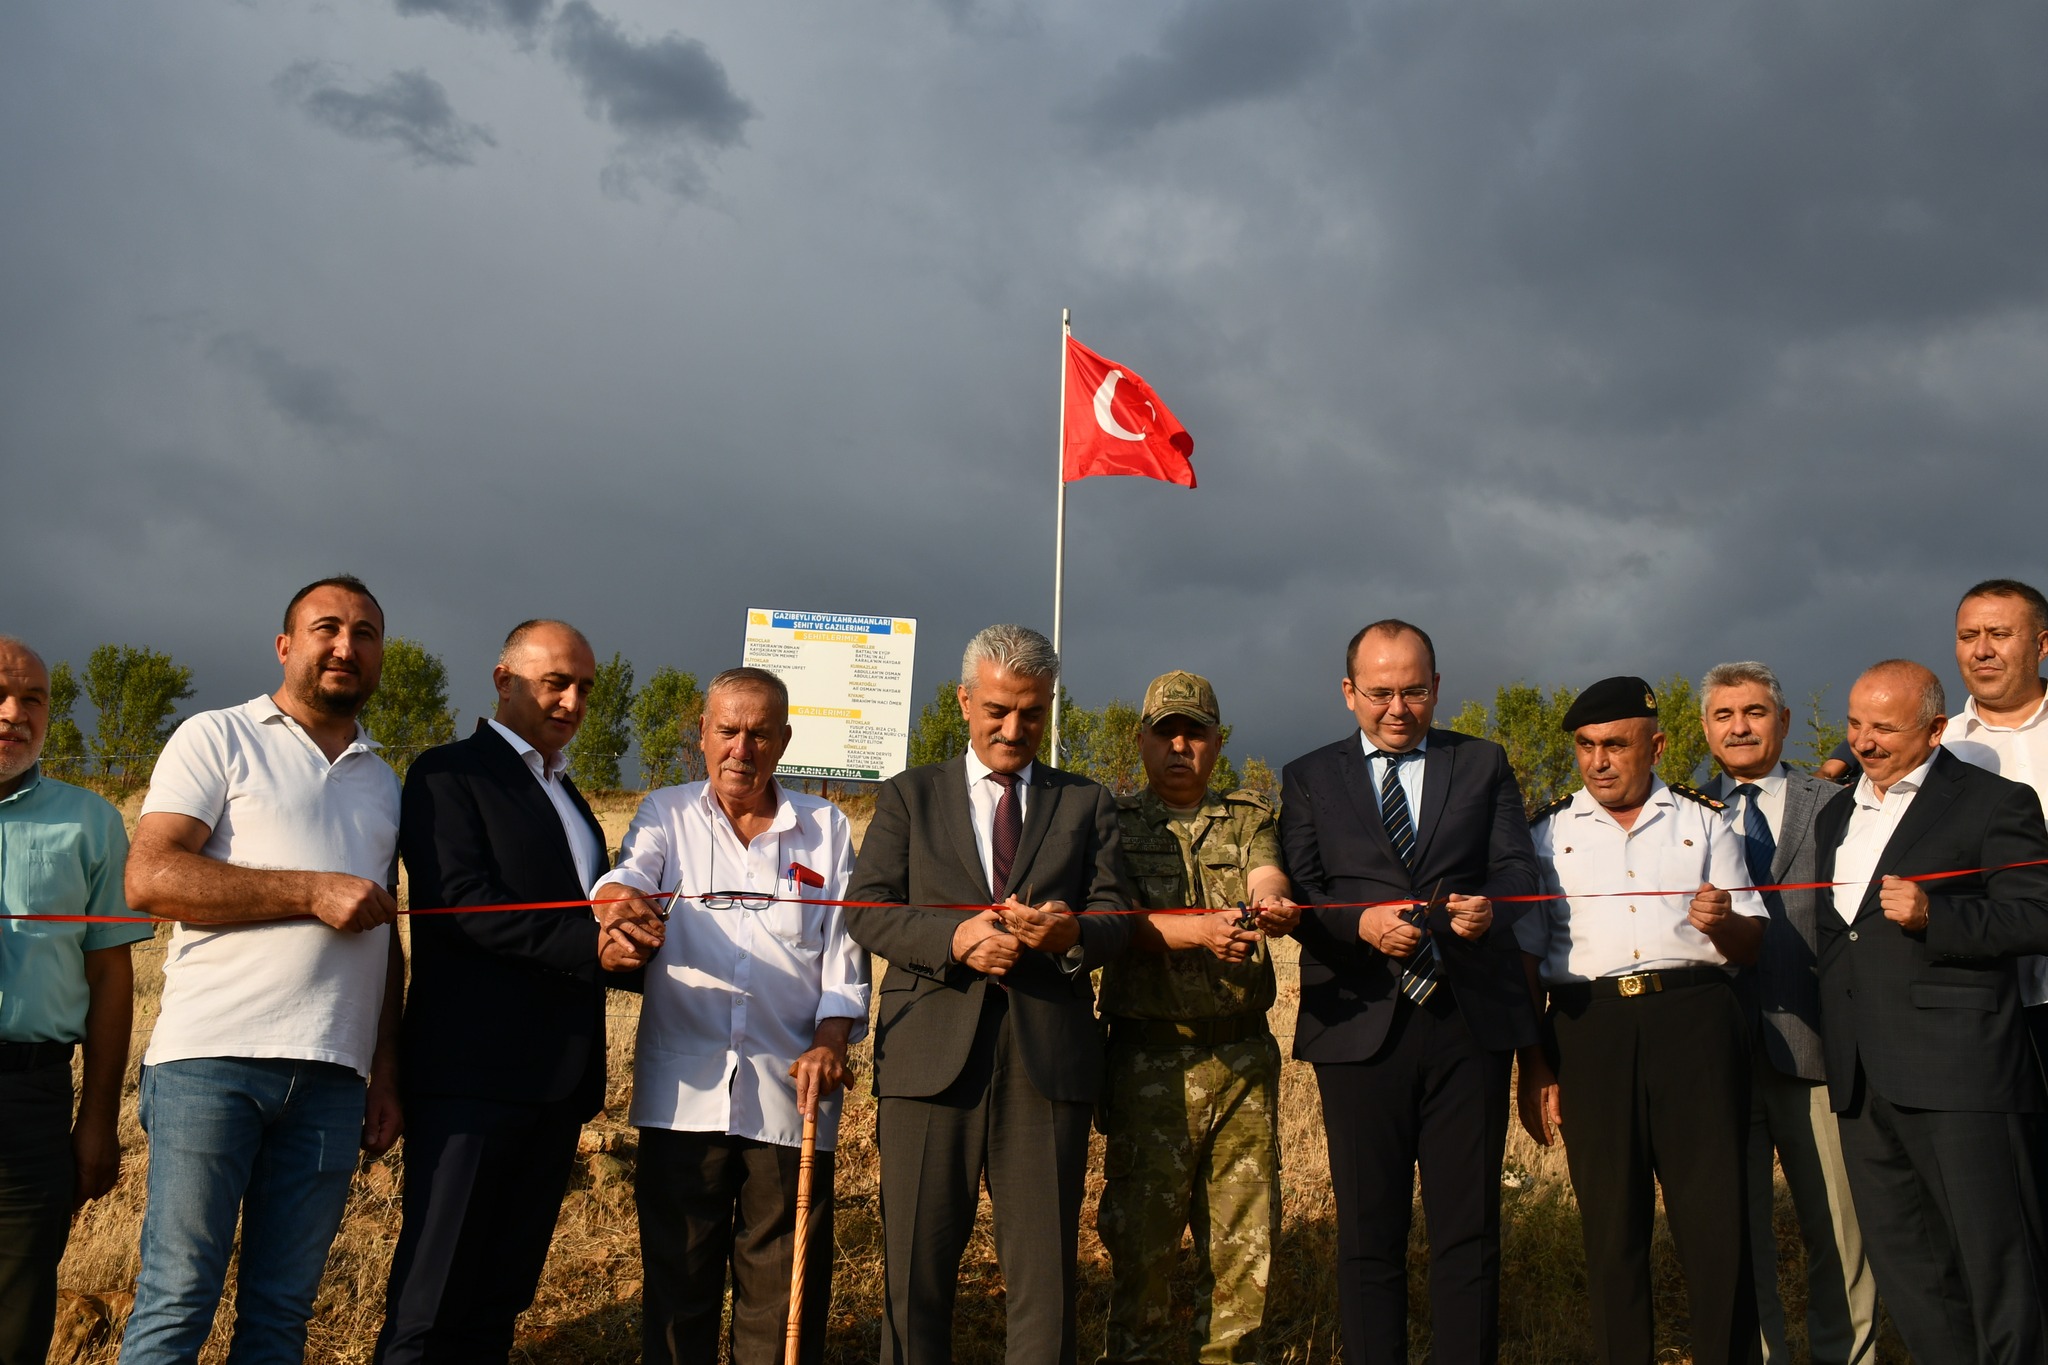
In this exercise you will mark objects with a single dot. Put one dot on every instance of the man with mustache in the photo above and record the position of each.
(502, 1050)
(270, 833)
(1771, 807)
(753, 996)
(1938, 893)
(988, 1060)
(1191, 1108)
(1644, 1068)
(64, 988)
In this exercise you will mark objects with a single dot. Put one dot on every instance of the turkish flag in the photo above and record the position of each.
(1117, 425)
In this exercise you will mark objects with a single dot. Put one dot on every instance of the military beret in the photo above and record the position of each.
(1612, 699)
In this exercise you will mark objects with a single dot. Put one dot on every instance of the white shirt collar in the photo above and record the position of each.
(1770, 784)
(555, 766)
(267, 711)
(1866, 793)
(785, 813)
(1373, 750)
(1967, 720)
(977, 770)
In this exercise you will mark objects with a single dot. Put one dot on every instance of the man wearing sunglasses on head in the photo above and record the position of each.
(751, 1001)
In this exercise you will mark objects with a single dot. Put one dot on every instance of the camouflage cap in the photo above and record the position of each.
(1180, 694)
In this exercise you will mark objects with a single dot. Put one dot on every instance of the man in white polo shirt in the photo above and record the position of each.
(750, 1004)
(270, 834)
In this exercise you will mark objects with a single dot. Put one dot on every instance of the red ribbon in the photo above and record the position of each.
(518, 906)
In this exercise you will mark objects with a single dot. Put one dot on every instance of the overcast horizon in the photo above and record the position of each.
(1594, 338)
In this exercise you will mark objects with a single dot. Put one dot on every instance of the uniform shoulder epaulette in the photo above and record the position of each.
(1695, 794)
(1542, 813)
(1131, 800)
(1245, 796)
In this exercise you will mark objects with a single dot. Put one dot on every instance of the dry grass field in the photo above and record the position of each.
(588, 1306)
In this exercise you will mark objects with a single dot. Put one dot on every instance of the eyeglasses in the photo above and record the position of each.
(1384, 696)
(736, 900)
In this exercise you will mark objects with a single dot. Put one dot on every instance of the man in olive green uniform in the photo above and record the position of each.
(1192, 1097)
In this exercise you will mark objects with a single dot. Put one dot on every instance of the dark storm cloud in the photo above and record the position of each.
(668, 95)
(307, 395)
(520, 16)
(409, 110)
(1217, 53)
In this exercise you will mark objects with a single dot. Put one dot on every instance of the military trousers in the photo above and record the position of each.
(1193, 1144)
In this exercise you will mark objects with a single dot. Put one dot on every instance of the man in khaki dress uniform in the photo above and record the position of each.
(1192, 1094)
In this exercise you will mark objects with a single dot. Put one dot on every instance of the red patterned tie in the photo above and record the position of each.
(1009, 827)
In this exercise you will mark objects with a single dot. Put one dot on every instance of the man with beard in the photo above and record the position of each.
(270, 834)
(64, 987)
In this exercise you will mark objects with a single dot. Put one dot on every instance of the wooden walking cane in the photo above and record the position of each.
(795, 1335)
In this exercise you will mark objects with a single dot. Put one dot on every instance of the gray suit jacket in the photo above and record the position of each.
(919, 855)
(1784, 985)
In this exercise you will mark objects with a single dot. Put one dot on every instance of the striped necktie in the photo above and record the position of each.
(1419, 976)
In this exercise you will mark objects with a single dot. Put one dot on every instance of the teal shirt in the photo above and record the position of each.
(62, 852)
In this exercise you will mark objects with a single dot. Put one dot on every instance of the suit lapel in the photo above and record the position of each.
(1037, 819)
(1930, 803)
(525, 790)
(1437, 762)
(1356, 779)
(1801, 795)
(590, 819)
(959, 818)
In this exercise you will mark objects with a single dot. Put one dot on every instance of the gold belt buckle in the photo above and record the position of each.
(1642, 983)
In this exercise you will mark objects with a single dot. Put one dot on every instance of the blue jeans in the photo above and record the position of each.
(274, 1140)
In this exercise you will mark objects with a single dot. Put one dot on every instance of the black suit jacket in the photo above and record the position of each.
(918, 853)
(503, 1005)
(1934, 1017)
(1471, 833)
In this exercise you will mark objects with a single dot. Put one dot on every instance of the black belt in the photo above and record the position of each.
(1643, 983)
(33, 1056)
(1234, 1028)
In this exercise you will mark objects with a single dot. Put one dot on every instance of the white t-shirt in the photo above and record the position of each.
(292, 989)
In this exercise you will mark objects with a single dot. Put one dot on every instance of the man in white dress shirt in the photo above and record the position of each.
(1648, 1059)
(1771, 808)
(750, 1004)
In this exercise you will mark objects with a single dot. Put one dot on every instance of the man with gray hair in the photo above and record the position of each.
(1938, 884)
(1771, 807)
(988, 1060)
(62, 985)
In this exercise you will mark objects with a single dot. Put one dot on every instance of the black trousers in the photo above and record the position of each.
(36, 1190)
(484, 1181)
(1951, 1217)
(707, 1201)
(1655, 1091)
(1431, 1095)
(935, 1152)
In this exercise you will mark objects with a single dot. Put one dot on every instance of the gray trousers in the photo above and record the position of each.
(1791, 1117)
(707, 1201)
(935, 1151)
(36, 1187)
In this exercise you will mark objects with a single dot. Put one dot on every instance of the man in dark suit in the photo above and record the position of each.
(987, 1054)
(1928, 1060)
(1771, 806)
(1411, 1025)
(502, 1049)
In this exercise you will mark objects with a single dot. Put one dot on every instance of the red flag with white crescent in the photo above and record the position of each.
(1117, 425)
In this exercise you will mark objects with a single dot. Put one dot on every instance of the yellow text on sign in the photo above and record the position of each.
(829, 637)
(834, 712)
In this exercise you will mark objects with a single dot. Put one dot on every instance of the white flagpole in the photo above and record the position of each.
(1059, 550)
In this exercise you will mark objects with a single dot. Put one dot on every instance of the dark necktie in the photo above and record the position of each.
(1419, 976)
(1004, 833)
(1759, 847)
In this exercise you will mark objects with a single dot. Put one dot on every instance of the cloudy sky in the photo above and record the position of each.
(1597, 337)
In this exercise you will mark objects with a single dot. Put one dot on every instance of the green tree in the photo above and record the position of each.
(1528, 724)
(607, 728)
(64, 753)
(1823, 736)
(666, 716)
(940, 731)
(1103, 745)
(408, 713)
(1260, 777)
(1685, 738)
(135, 692)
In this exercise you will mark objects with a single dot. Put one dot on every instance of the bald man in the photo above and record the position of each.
(502, 1051)
(1928, 1061)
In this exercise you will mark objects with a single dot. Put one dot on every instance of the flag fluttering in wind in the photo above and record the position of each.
(1115, 424)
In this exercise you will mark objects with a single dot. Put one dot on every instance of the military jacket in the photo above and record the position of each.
(1207, 862)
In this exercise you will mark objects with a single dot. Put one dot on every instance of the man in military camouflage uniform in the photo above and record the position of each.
(1192, 1096)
